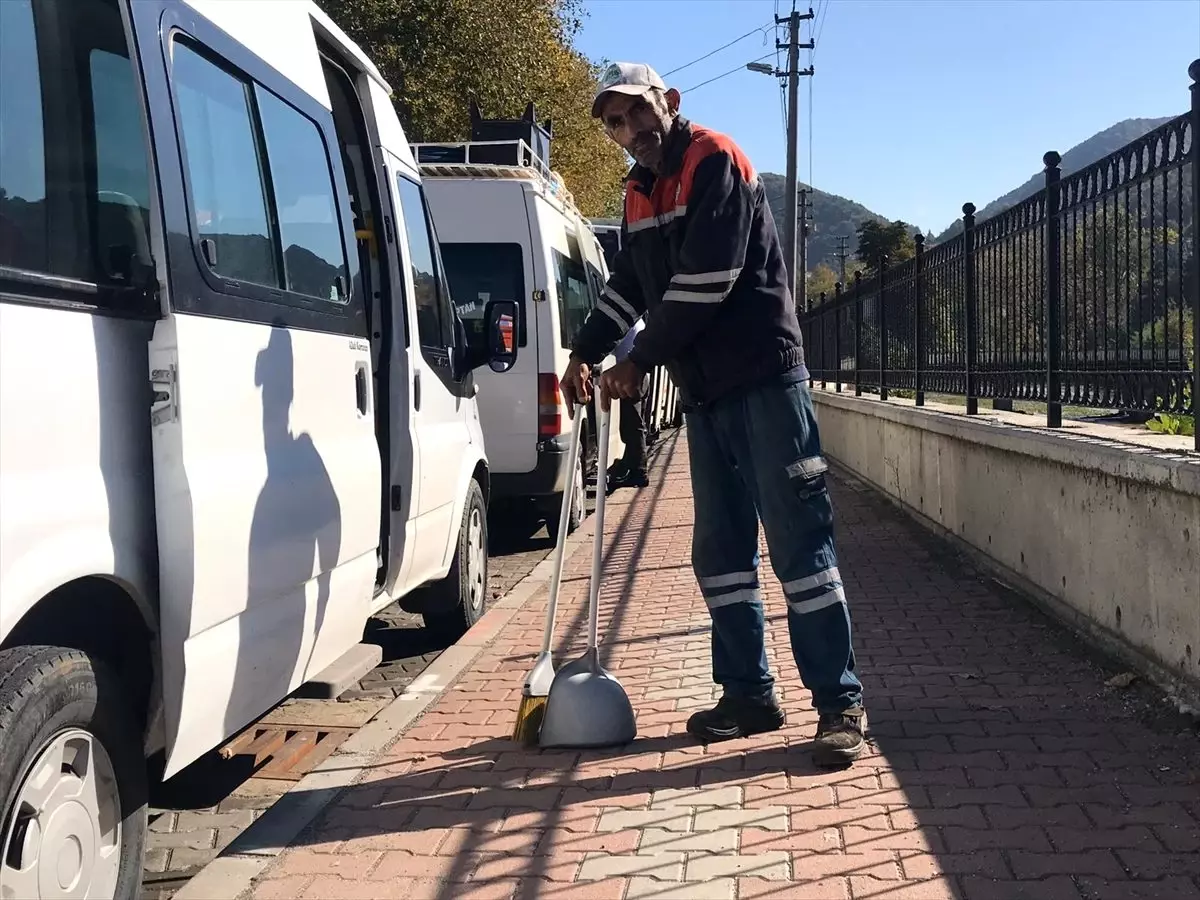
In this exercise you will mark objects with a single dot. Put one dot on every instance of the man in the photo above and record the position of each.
(631, 467)
(702, 262)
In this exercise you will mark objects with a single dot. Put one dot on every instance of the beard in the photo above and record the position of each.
(647, 149)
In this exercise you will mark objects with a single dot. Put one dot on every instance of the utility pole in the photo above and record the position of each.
(802, 278)
(792, 74)
(842, 254)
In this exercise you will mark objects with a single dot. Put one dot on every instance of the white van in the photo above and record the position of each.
(510, 229)
(236, 404)
(608, 232)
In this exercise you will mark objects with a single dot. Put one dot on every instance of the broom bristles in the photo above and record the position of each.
(529, 719)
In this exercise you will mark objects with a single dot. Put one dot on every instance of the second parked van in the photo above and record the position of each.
(509, 230)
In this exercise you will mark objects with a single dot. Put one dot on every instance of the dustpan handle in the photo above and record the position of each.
(598, 540)
(564, 517)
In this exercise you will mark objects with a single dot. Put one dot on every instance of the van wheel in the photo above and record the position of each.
(72, 778)
(461, 598)
(578, 498)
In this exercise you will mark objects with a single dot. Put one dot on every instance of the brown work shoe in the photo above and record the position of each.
(841, 737)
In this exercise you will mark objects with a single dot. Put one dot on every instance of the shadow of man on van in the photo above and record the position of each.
(297, 518)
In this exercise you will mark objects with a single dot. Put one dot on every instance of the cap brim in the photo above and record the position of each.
(630, 90)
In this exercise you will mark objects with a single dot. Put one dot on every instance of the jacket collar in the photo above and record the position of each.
(677, 143)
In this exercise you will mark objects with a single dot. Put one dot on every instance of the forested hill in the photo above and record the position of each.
(1081, 155)
(831, 216)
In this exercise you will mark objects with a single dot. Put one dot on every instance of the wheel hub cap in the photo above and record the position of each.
(63, 833)
(475, 560)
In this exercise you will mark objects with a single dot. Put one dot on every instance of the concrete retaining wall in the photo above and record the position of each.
(1104, 533)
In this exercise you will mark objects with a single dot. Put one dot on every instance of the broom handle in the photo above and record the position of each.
(598, 542)
(564, 517)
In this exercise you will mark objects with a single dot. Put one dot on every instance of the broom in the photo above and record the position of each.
(537, 683)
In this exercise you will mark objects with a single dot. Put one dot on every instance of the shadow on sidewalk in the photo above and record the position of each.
(1001, 763)
(497, 813)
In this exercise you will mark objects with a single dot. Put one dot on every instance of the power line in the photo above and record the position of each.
(783, 106)
(816, 27)
(779, 68)
(740, 68)
(810, 129)
(824, 17)
(822, 6)
(718, 50)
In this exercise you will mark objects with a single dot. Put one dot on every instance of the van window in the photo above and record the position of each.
(574, 295)
(313, 255)
(478, 273)
(260, 183)
(225, 171)
(91, 192)
(121, 161)
(597, 280)
(610, 242)
(23, 239)
(435, 322)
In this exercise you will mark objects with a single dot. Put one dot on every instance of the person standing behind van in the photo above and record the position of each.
(702, 262)
(631, 467)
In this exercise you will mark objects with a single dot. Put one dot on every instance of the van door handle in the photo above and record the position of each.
(360, 388)
(416, 390)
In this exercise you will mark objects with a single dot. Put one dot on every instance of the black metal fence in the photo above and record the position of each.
(1085, 294)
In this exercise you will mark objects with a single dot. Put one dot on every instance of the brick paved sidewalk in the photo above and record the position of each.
(1001, 765)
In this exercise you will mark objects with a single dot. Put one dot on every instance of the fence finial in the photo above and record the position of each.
(1051, 159)
(968, 209)
(919, 240)
(1194, 70)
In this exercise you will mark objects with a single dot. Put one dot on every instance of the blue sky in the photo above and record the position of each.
(917, 105)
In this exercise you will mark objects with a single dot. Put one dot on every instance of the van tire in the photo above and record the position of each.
(460, 599)
(579, 487)
(50, 695)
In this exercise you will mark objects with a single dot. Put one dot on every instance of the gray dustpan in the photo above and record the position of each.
(587, 706)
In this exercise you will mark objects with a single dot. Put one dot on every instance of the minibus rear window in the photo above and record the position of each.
(481, 272)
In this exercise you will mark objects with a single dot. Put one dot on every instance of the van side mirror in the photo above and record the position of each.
(502, 321)
(496, 346)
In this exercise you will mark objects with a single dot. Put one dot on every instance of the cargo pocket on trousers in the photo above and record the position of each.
(808, 476)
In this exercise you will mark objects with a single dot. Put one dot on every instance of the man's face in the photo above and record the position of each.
(641, 124)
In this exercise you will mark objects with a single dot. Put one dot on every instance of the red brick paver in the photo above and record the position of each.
(1001, 765)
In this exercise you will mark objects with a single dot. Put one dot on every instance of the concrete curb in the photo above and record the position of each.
(232, 873)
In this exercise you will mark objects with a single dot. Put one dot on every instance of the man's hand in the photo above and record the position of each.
(576, 384)
(623, 382)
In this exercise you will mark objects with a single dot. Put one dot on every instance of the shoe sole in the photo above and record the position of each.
(831, 757)
(707, 736)
(618, 484)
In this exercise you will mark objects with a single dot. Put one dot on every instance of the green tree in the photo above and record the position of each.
(1123, 303)
(1117, 282)
(439, 54)
(876, 239)
(821, 279)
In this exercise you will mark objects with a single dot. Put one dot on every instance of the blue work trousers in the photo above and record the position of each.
(758, 454)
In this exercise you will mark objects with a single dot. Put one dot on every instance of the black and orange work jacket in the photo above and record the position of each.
(701, 260)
